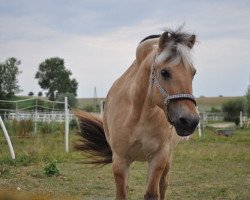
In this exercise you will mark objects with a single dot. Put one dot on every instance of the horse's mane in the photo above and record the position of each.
(177, 47)
(150, 37)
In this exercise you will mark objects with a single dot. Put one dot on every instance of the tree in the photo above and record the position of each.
(31, 94)
(8, 78)
(54, 77)
(248, 101)
(40, 94)
(232, 108)
(72, 101)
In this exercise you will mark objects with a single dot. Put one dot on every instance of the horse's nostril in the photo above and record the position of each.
(189, 121)
(183, 121)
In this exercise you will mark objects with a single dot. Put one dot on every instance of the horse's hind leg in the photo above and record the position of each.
(120, 171)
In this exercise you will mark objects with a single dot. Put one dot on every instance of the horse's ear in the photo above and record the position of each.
(163, 40)
(191, 41)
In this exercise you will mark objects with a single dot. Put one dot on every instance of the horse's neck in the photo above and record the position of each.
(144, 58)
(140, 87)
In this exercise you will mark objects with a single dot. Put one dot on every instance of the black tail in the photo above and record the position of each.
(93, 141)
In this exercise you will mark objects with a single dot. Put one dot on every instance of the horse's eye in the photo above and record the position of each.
(194, 73)
(165, 74)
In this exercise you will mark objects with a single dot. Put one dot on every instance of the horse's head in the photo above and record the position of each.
(172, 75)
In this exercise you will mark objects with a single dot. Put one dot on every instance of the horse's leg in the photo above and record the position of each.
(164, 180)
(120, 171)
(156, 167)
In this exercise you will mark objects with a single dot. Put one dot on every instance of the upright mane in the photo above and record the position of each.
(176, 48)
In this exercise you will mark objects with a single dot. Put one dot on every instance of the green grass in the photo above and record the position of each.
(211, 168)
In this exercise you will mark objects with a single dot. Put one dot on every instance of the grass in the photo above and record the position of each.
(212, 168)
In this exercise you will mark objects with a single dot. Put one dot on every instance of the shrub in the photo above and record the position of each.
(214, 110)
(248, 101)
(231, 110)
(89, 108)
(51, 169)
(73, 124)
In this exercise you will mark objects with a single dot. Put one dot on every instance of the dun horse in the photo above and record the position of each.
(145, 111)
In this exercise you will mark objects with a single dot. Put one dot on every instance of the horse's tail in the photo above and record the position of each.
(93, 141)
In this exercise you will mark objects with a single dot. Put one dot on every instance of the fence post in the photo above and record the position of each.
(241, 119)
(7, 138)
(66, 124)
(199, 125)
(36, 117)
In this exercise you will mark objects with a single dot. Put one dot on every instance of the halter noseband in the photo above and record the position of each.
(166, 96)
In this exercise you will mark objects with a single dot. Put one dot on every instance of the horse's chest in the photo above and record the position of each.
(143, 148)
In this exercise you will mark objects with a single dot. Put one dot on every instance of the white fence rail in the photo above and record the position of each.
(56, 116)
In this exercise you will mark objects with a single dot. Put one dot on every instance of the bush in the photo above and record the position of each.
(51, 169)
(91, 108)
(214, 110)
(248, 101)
(73, 124)
(231, 110)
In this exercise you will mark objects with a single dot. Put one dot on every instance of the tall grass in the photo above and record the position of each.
(47, 144)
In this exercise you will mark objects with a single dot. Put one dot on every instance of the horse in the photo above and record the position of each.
(147, 110)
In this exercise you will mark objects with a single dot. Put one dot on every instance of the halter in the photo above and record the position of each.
(166, 96)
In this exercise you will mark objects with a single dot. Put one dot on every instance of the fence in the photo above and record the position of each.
(53, 116)
(29, 109)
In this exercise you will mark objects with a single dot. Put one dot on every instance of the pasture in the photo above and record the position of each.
(204, 103)
(213, 167)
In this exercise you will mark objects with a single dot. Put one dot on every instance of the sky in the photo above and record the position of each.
(97, 39)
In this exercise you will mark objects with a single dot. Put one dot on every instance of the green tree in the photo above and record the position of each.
(72, 101)
(31, 94)
(232, 108)
(54, 77)
(40, 94)
(8, 78)
(248, 101)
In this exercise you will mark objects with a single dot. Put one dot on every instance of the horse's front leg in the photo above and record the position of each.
(120, 172)
(164, 179)
(156, 168)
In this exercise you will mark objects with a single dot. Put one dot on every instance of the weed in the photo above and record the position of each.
(4, 171)
(46, 128)
(51, 169)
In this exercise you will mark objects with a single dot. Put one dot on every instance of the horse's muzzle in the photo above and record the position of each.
(186, 123)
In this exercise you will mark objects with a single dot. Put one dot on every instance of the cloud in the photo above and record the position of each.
(98, 41)
(94, 60)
